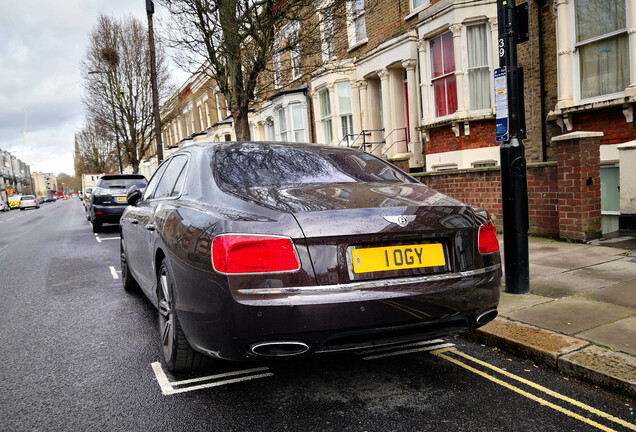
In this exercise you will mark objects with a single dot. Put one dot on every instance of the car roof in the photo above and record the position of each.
(122, 176)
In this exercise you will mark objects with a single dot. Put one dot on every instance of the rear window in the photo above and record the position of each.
(27, 197)
(259, 165)
(121, 183)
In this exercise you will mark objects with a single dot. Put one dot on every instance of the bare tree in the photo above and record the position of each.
(239, 43)
(118, 93)
(96, 145)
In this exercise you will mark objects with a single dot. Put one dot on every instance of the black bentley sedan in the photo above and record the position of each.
(258, 250)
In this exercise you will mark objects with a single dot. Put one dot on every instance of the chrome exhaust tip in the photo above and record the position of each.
(279, 348)
(486, 317)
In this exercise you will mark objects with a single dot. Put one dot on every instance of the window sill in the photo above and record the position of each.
(417, 11)
(358, 44)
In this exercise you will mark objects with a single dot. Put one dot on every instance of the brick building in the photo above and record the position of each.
(412, 81)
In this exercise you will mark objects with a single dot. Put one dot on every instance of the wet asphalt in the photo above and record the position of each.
(77, 352)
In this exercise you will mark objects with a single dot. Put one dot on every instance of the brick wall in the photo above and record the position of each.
(443, 139)
(610, 121)
(482, 188)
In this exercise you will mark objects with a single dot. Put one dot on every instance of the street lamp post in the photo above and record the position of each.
(150, 10)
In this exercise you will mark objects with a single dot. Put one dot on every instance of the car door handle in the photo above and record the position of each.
(150, 227)
(133, 221)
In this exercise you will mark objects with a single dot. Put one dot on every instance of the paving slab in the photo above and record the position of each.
(574, 260)
(571, 315)
(620, 335)
(513, 302)
(537, 270)
(543, 346)
(602, 367)
(622, 293)
(620, 270)
(565, 284)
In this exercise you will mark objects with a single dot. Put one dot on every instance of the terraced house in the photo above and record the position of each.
(412, 81)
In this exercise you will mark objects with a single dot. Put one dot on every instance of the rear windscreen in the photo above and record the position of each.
(121, 183)
(260, 165)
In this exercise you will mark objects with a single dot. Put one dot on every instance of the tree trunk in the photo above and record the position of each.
(241, 125)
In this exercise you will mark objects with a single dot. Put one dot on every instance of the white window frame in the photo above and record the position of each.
(575, 49)
(292, 34)
(200, 110)
(344, 115)
(219, 111)
(419, 4)
(464, 41)
(327, 35)
(283, 131)
(207, 114)
(431, 79)
(185, 117)
(356, 15)
(326, 120)
(278, 74)
(296, 128)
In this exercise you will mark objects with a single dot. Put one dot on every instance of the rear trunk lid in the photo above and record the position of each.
(365, 231)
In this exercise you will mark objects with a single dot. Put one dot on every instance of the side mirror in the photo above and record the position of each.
(134, 195)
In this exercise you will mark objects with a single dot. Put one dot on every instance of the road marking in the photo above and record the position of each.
(168, 387)
(442, 354)
(99, 239)
(114, 272)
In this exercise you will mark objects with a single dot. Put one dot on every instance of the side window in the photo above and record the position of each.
(178, 187)
(169, 178)
(152, 185)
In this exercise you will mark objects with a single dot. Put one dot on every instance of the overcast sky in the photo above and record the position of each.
(41, 45)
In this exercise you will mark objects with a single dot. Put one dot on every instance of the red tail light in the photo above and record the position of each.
(488, 242)
(235, 253)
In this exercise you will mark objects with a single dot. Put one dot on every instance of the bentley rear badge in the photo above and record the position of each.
(401, 220)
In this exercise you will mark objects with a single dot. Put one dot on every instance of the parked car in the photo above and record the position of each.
(269, 250)
(42, 200)
(29, 201)
(4, 207)
(108, 199)
(14, 201)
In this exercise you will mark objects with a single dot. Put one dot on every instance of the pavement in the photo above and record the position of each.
(580, 314)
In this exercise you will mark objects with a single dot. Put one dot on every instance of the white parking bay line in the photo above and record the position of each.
(169, 387)
(114, 272)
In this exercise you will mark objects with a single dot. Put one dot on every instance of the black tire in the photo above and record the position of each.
(128, 281)
(179, 355)
(97, 226)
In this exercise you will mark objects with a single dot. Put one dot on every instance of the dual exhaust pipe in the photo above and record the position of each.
(294, 348)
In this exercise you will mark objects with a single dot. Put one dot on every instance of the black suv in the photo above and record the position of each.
(108, 199)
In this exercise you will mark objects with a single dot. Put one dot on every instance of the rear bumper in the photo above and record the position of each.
(341, 317)
(108, 214)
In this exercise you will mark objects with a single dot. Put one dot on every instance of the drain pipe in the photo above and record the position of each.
(544, 123)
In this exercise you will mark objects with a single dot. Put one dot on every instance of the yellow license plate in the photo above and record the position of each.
(398, 257)
(121, 199)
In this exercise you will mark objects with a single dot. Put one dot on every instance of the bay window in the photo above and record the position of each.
(478, 67)
(602, 46)
(325, 115)
(443, 74)
(345, 114)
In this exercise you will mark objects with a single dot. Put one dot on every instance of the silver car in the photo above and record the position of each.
(29, 201)
(4, 207)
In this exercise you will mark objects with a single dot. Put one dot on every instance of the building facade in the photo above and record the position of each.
(412, 81)
(15, 176)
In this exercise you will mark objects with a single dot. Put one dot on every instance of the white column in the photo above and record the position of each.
(631, 19)
(313, 94)
(387, 117)
(334, 116)
(410, 65)
(355, 108)
(364, 104)
(424, 82)
(456, 29)
(564, 62)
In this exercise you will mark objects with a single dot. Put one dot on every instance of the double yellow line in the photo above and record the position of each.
(443, 353)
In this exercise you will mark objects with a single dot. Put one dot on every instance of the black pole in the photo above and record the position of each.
(514, 187)
(150, 9)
